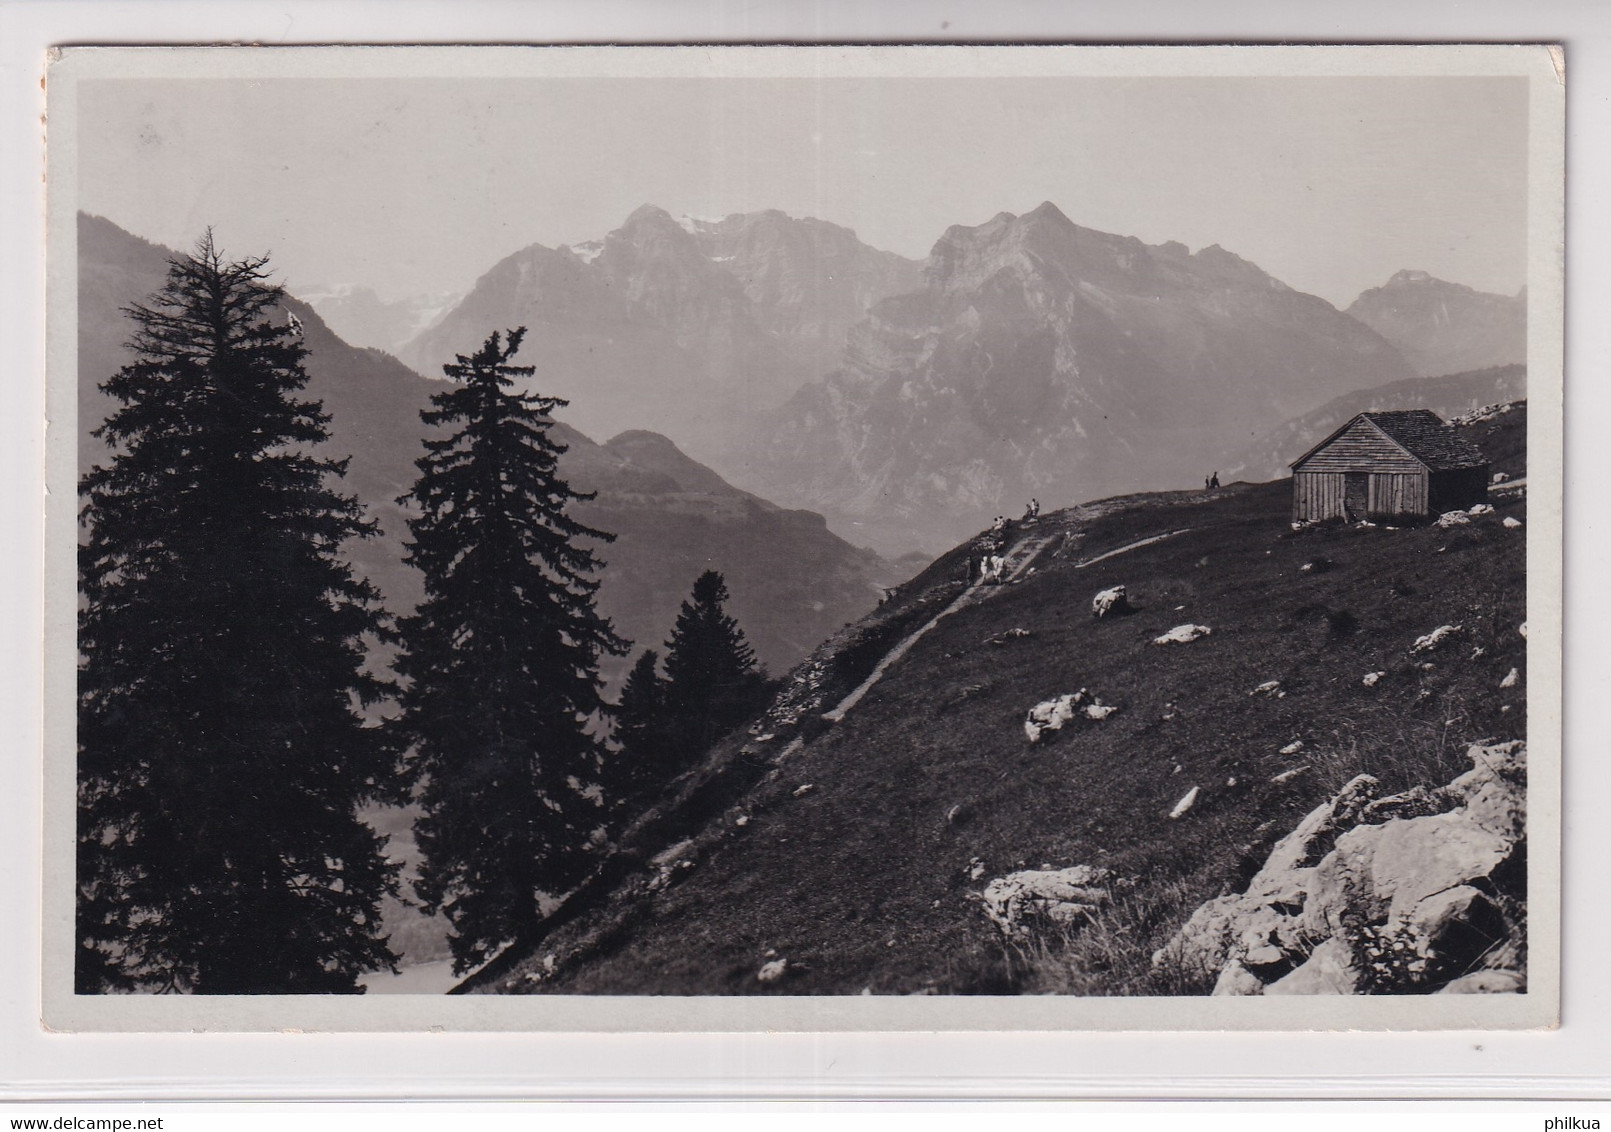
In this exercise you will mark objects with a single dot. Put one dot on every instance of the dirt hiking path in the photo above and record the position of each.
(1023, 552)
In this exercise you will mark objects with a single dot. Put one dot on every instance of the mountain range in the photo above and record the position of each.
(686, 327)
(1027, 356)
(792, 581)
(1044, 359)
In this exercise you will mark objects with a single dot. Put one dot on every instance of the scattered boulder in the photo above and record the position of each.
(1435, 638)
(1293, 747)
(1510, 521)
(1481, 509)
(1453, 519)
(772, 970)
(1187, 801)
(1182, 635)
(1015, 902)
(1371, 679)
(1289, 775)
(1110, 602)
(803, 789)
(1009, 635)
(1053, 714)
(1510, 679)
(1269, 688)
(1407, 893)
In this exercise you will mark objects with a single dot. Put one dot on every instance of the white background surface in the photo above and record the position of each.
(1574, 1061)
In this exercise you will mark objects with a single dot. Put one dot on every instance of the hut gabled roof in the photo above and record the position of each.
(1421, 433)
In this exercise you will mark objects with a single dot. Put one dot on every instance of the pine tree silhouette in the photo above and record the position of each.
(712, 682)
(644, 736)
(222, 748)
(501, 659)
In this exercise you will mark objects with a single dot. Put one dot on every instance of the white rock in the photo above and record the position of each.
(1099, 711)
(1510, 679)
(1289, 775)
(804, 788)
(1510, 521)
(772, 972)
(1522, 629)
(1187, 801)
(976, 869)
(1051, 715)
(1268, 688)
(742, 820)
(1371, 678)
(1293, 747)
(1481, 509)
(1183, 634)
(1435, 638)
(1500, 477)
(1453, 519)
(1109, 601)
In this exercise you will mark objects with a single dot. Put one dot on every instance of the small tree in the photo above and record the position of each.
(643, 735)
(712, 682)
(222, 750)
(501, 659)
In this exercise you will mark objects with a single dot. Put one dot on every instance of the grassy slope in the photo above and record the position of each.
(863, 882)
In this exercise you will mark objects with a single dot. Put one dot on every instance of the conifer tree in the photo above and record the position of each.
(643, 735)
(712, 682)
(222, 749)
(501, 659)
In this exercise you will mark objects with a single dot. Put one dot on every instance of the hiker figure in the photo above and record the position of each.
(1208, 483)
(1214, 481)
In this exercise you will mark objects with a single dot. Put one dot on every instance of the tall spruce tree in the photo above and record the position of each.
(222, 749)
(501, 659)
(712, 682)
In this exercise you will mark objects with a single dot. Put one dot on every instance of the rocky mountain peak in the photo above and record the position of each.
(1411, 276)
(1444, 327)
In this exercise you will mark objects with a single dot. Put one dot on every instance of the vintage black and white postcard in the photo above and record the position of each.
(819, 538)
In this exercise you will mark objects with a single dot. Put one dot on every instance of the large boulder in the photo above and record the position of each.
(1400, 894)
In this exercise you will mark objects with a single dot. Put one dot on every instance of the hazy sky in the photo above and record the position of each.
(417, 185)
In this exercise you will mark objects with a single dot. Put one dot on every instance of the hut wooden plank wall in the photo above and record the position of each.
(1388, 463)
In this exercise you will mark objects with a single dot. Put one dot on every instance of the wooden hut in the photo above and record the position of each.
(1389, 463)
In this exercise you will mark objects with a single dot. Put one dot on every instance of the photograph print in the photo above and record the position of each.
(821, 537)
